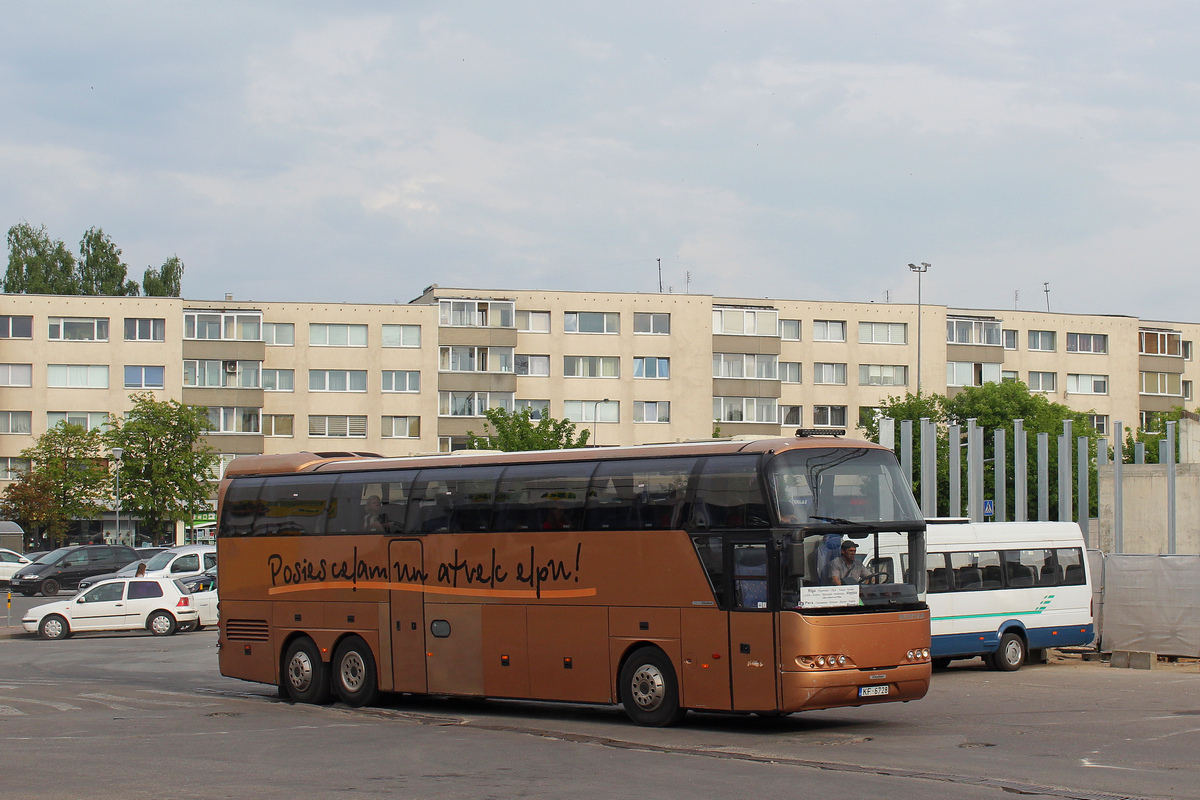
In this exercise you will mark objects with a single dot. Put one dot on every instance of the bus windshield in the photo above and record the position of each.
(857, 537)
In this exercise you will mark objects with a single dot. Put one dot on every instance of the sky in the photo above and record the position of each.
(360, 151)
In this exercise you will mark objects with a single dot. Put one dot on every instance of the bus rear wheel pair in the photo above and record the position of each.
(351, 674)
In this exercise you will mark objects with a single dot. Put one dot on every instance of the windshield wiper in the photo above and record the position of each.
(834, 520)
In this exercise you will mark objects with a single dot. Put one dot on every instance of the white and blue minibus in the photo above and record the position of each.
(1003, 590)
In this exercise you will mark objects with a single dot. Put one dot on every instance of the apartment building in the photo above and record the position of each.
(632, 368)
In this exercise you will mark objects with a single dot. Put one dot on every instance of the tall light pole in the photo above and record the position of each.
(920, 270)
(118, 454)
(595, 419)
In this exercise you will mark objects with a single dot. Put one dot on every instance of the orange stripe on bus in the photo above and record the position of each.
(447, 590)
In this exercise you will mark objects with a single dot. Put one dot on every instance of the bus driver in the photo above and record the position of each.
(846, 570)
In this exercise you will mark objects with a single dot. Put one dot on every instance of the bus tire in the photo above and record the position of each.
(1010, 655)
(353, 671)
(304, 673)
(650, 690)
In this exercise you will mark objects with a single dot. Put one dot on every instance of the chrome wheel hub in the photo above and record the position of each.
(300, 671)
(353, 671)
(648, 688)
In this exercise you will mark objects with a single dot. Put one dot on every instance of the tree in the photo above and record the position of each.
(101, 271)
(166, 465)
(37, 265)
(1152, 435)
(67, 480)
(165, 281)
(516, 431)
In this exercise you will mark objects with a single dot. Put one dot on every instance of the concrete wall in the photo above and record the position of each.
(1145, 508)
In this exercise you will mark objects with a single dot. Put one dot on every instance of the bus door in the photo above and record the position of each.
(406, 559)
(752, 659)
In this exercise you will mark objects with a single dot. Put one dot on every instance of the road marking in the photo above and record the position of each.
(52, 704)
(9, 711)
(119, 698)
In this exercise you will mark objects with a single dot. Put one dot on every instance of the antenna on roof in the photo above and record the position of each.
(660, 276)
(1047, 291)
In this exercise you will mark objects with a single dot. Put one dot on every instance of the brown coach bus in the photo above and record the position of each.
(661, 577)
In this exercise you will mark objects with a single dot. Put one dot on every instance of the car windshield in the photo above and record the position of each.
(161, 560)
(54, 556)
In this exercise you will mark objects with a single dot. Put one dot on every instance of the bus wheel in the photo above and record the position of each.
(304, 673)
(1010, 655)
(649, 689)
(354, 677)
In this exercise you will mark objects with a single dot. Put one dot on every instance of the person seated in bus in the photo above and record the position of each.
(556, 520)
(847, 570)
(375, 521)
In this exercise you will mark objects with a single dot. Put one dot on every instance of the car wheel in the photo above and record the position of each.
(354, 677)
(161, 623)
(649, 689)
(54, 627)
(1010, 655)
(50, 587)
(304, 673)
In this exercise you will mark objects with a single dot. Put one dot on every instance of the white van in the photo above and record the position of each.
(1003, 589)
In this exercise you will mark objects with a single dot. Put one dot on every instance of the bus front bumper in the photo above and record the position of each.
(814, 689)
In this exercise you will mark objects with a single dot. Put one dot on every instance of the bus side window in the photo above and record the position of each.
(292, 505)
(750, 575)
(1071, 562)
(728, 495)
(369, 502)
(637, 494)
(709, 549)
(938, 575)
(472, 493)
(542, 497)
(239, 507)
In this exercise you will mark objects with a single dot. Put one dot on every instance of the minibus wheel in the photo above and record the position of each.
(1010, 655)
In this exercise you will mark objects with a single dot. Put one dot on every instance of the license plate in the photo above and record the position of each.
(872, 691)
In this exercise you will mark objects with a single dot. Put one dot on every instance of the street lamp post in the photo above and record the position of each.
(118, 453)
(920, 270)
(595, 419)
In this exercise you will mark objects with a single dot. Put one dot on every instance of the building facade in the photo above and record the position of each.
(397, 379)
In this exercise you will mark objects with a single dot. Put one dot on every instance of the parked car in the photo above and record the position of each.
(204, 597)
(159, 605)
(10, 562)
(67, 566)
(147, 553)
(174, 562)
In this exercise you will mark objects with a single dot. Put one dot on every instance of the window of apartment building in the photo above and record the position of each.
(144, 377)
(145, 329)
(537, 408)
(1159, 343)
(1187, 350)
(533, 365)
(746, 365)
(400, 427)
(882, 375)
(401, 380)
(16, 374)
(591, 366)
(1009, 376)
(592, 322)
(1010, 339)
(337, 380)
(1099, 422)
(967, 373)
(792, 415)
(1149, 420)
(789, 330)
(972, 331)
(16, 327)
(220, 325)
(533, 321)
(401, 336)
(77, 376)
(658, 411)
(829, 373)
(1042, 381)
(1164, 383)
(1087, 384)
(16, 422)
(745, 322)
(231, 419)
(1187, 390)
(322, 334)
(1043, 341)
(78, 329)
(592, 410)
(883, 333)
(92, 420)
(828, 330)
(337, 426)
(829, 416)
(279, 334)
(472, 404)
(279, 380)
(745, 409)
(790, 372)
(228, 374)
(1087, 343)
(11, 469)
(476, 313)
(452, 444)
(278, 425)
(651, 367)
(464, 358)
(644, 322)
